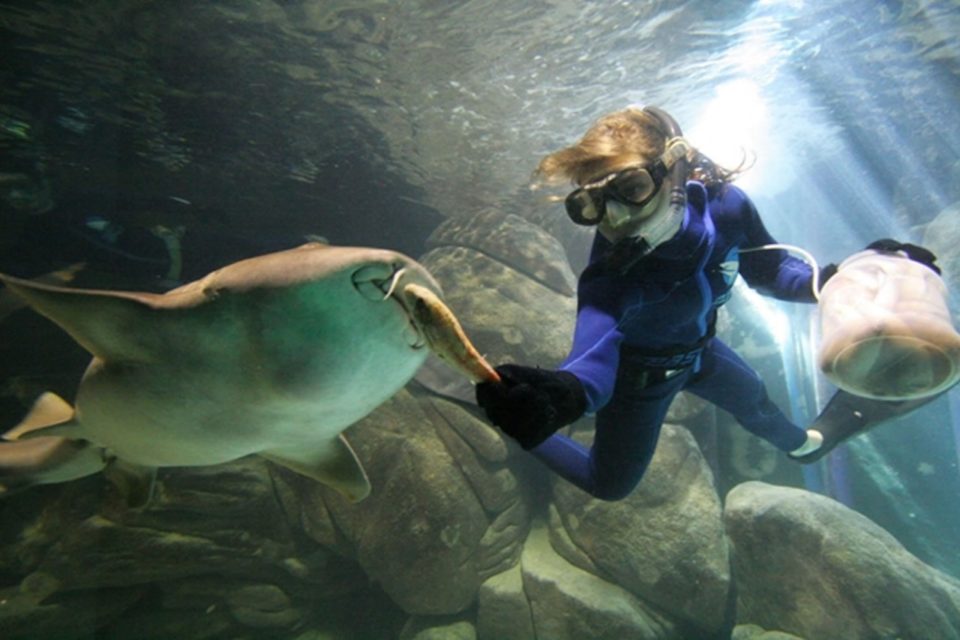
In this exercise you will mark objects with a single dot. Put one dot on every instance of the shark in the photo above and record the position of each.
(273, 356)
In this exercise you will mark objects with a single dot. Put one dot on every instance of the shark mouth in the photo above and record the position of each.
(378, 283)
(433, 322)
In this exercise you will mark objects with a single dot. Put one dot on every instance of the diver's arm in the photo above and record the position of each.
(595, 353)
(530, 404)
(772, 272)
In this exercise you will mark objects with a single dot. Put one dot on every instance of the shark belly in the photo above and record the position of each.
(190, 415)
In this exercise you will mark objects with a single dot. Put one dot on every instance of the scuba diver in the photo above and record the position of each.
(672, 235)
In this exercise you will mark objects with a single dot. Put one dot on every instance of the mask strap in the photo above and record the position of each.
(676, 149)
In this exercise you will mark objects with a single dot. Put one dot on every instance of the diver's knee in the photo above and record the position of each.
(613, 491)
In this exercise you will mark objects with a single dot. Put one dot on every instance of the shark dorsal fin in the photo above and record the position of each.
(108, 324)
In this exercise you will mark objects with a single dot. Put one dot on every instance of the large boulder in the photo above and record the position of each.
(664, 543)
(510, 285)
(447, 628)
(503, 610)
(443, 516)
(807, 565)
(568, 603)
(512, 241)
(754, 632)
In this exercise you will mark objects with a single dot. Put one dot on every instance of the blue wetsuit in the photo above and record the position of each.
(644, 335)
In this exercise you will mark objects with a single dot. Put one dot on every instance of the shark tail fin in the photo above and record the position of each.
(50, 415)
(46, 448)
(332, 463)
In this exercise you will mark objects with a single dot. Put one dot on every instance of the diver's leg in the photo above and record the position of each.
(625, 437)
(730, 383)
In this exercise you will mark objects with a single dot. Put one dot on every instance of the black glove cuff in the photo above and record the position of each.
(573, 402)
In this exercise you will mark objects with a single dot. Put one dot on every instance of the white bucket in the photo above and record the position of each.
(886, 329)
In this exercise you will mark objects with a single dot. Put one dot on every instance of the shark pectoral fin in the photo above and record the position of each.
(332, 463)
(50, 415)
(136, 483)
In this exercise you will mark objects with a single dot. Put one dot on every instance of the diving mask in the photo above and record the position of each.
(634, 186)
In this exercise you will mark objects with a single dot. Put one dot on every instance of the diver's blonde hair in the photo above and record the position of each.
(627, 138)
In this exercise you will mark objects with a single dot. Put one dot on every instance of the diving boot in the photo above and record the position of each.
(812, 444)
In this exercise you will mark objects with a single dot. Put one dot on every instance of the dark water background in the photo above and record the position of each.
(250, 125)
(349, 119)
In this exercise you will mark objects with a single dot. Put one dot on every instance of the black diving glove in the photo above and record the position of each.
(529, 404)
(915, 252)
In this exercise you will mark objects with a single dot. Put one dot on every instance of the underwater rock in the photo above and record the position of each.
(203, 520)
(568, 603)
(509, 317)
(268, 608)
(431, 628)
(73, 615)
(214, 553)
(503, 611)
(664, 543)
(753, 632)
(810, 566)
(485, 441)
(750, 457)
(577, 240)
(687, 409)
(440, 519)
(263, 606)
(498, 281)
(513, 241)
